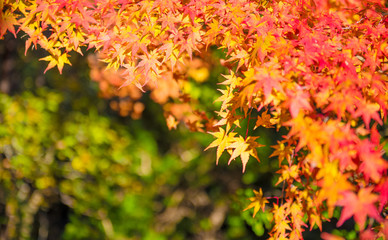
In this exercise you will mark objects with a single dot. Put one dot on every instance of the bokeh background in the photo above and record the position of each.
(75, 164)
(73, 168)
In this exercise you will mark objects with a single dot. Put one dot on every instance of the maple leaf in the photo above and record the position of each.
(257, 202)
(268, 80)
(240, 55)
(171, 122)
(288, 173)
(367, 234)
(332, 183)
(340, 102)
(282, 223)
(368, 111)
(189, 11)
(264, 120)
(382, 188)
(58, 61)
(229, 119)
(372, 165)
(328, 236)
(244, 148)
(297, 220)
(167, 48)
(215, 29)
(261, 47)
(7, 22)
(299, 100)
(359, 206)
(282, 151)
(150, 62)
(315, 219)
(222, 142)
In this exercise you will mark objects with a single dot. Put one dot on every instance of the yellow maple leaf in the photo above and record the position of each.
(58, 61)
(222, 142)
(257, 202)
(283, 151)
(244, 148)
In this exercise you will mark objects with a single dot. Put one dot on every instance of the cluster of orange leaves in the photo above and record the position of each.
(317, 69)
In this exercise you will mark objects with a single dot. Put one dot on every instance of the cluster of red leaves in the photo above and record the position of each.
(315, 68)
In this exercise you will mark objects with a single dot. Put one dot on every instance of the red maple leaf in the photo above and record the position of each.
(7, 22)
(368, 111)
(267, 81)
(382, 188)
(299, 100)
(359, 206)
(372, 165)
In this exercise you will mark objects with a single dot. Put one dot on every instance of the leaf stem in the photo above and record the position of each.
(249, 118)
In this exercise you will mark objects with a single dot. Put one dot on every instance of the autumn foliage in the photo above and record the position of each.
(316, 70)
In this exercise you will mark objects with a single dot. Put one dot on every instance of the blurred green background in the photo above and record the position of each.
(72, 168)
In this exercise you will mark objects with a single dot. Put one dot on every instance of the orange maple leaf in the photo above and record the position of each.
(264, 120)
(282, 151)
(172, 123)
